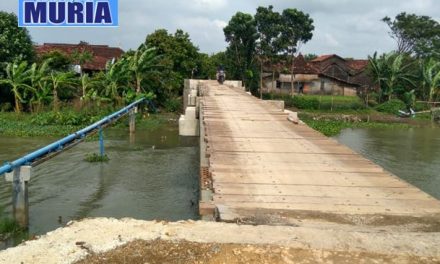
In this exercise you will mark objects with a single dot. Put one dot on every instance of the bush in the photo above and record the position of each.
(316, 102)
(306, 102)
(5, 107)
(173, 104)
(391, 107)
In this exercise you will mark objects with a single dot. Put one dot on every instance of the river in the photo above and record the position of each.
(151, 176)
(412, 154)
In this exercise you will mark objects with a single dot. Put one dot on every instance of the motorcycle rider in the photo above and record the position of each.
(221, 75)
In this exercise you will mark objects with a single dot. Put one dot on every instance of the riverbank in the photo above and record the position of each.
(59, 124)
(107, 240)
(332, 123)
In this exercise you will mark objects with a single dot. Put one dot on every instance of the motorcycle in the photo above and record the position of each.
(221, 76)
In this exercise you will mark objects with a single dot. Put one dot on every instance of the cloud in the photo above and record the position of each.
(210, 5)
(331, 40)
(346, 27)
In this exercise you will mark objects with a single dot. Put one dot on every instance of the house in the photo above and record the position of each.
(327, 74)
(101, 53)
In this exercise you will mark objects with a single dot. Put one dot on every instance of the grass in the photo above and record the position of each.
(95, 158)
(59, 124)
(9, 228)
(331, 126)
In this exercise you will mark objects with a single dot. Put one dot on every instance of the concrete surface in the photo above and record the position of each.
(80, 239)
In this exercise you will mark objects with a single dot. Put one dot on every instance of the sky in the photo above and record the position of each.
(349, 28)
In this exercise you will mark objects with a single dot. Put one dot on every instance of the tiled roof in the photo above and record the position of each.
(357, 64)
(101, 53)
(323, 57)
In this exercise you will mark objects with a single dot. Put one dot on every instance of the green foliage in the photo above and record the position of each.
(9, 227)
(15, 42)
(95, 158)
(17, 77)
(317, 102)
(303, 102)
(241, 34)
(332, 128)
(392, 73)
(178, 59)
(391, 107)
(415, 34)
(173, 104)
(297, 27)
(56, 60)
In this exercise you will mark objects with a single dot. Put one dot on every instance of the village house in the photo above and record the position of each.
(327, 74)
(101, 54)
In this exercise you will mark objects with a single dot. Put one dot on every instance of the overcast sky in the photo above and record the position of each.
(349, 28)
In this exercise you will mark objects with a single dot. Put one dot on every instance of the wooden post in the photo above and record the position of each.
(132, 117)
(20, 178)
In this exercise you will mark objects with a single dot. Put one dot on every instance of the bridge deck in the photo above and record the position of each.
(262, 163)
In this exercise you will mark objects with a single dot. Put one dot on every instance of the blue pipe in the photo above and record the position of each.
(58, 145)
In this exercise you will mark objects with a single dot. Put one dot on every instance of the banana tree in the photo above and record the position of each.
(40, 85)
(17, 76)
(389, 72)
(430, 82)
(142, 61)
(398, 74)
(58, 80)
(116, 79)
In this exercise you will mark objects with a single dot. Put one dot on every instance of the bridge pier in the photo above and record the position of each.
(20, 178)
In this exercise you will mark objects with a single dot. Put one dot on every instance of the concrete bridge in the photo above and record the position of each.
(261, 165)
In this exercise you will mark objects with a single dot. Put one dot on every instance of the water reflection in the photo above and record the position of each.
(151, 175)
(413, 154)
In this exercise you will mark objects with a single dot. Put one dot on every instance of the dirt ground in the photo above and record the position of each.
(109, 240)
(159, 251)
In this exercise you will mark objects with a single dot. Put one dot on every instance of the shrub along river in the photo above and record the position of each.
(153, 175)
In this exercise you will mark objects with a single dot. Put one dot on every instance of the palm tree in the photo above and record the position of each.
(17, 76)
(141, 62)
(58, 80)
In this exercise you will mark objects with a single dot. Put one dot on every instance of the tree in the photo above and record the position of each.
(391, 72)
(178, 59)
(310, 56)
(57, 60)
(430, 79)
(419, 35)
(82, 57)
(57, 81)
(17, 77)
(268, 25)
(297, 28)
(39, 84)
(241, 34)
(15, 42)
(142, 61)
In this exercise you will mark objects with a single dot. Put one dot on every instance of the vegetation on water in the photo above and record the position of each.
(333, 126)
(64, 122)
(96, 158)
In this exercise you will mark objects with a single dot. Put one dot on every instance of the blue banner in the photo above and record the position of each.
(68, 13)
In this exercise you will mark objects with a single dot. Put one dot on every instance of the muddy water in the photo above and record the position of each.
(412, 154)
(151, 176)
